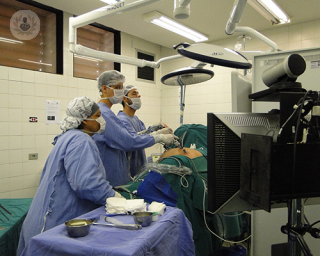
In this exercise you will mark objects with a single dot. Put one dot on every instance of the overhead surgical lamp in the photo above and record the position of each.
(214, 54)
(186, 76)
(161, 20)
(270, 10)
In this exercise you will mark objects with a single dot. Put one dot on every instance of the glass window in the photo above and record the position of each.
(99, 38)
(29, 38)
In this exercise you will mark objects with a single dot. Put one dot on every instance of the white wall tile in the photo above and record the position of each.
(4, 128)
(28, 75)
(15, 156)
(40, 129)
(31, 180)
(4, 142)
(72, 81)
(52, 91)
(16, 183)
(62, 92)
(40, 77)
(29, 141)
(4, 72)
(15, 101)
(15, 128)
(4, 156)
(15, 74)
(29, 167)
(15, 115)
(62, 80)
(4, 171)
(5, 185)
(28, 128)
(4, 102)
(4, 86)
(52, 79)
(307, 31)
(41, 141)
(4, 117)
(16, 169)
(310, 43)
(40, 102)
(72, 92)
(15, 87)
(28, 102)
(28, 89)
(40, 90)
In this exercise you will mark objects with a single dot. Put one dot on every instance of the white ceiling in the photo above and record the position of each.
(207, 16)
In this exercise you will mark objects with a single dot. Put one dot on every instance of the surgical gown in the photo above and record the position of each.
(72, 183)
(136, 158)
(114, 142)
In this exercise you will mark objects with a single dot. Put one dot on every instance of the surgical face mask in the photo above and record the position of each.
(102, 123)
(117, 96)
(136, 103)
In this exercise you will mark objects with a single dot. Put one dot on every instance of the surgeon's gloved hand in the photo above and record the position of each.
(167, 139)
(163, 131)
(117, 194)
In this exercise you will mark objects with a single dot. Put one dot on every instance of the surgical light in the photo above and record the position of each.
(160, 20)
(270, 10)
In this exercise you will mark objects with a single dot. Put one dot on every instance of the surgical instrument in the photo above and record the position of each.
(4, 215)
(123, 226)
(6, 210)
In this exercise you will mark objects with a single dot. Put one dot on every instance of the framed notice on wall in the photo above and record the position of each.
(52, 112)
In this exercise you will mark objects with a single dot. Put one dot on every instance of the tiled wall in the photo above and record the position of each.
(23, 94)
(214, 95)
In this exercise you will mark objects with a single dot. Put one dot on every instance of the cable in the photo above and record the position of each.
(205, 222)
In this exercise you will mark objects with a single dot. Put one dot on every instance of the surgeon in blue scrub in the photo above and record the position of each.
(73, 181)
(131, 103)
(116, 139)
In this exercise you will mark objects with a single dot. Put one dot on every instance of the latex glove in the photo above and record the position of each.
(163, 131)
(117, 194)
(167, 139)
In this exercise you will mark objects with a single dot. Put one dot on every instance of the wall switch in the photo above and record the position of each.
(33, 156)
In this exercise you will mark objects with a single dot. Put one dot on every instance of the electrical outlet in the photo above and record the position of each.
(33, 156)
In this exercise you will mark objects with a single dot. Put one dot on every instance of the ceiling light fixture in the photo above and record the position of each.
(159, 19)
(270, 10)
(10, 41)
(110, 1)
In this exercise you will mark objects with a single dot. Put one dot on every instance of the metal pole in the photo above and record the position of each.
(295, 220)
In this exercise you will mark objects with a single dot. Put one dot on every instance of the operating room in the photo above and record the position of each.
(25, 93)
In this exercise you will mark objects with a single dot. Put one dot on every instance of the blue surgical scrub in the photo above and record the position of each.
(136, 158)
(114, 142)
(73, 182)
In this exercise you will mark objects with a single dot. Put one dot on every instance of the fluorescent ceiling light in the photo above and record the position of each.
(270, 10)
(110, 1)
(10, 41)
(159, 19)
(87, 58)
(36, 62)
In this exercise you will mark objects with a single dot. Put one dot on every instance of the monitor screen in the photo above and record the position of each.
(224, 151)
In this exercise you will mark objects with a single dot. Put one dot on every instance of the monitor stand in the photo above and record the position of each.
(296, 243)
